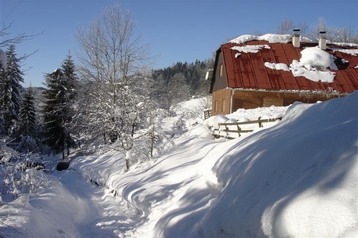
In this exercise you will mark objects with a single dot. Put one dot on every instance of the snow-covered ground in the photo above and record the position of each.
(296, 178)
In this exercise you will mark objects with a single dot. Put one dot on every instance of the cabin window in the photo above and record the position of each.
(216, 106)
(221, 70)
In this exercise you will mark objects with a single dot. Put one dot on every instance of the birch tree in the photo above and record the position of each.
(111, 57)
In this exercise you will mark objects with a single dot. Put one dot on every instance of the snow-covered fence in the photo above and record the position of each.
(232, 130)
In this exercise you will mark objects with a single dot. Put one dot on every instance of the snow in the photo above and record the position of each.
(296, 178)
(277, 66)
(271, 38)
(315, 64)
(353, 52)
(311, 73)
(250, 48)
(315, 57)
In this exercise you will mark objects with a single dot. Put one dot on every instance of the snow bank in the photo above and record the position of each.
(297, 179)
(192, 108)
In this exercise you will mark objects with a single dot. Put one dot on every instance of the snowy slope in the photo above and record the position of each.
(298, 178)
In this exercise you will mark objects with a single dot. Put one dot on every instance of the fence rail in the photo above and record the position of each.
(231, 130)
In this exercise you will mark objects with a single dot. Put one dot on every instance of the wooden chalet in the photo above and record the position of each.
(245, 76)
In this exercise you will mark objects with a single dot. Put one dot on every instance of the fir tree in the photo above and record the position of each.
(54, 116)
(27, 116)
(26, 133)
(68, 86)
(58, 111)
(10, 90)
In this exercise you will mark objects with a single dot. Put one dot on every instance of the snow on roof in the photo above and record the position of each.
(277, 66)
(310, 73)
(315, 57)
(312, 65)
(271, 38)
(250, 48)
(337, 65)
(353, 52)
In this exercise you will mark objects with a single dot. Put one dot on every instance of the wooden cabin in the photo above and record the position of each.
(260, 71)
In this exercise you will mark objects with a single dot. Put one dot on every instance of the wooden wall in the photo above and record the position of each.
(221, 99)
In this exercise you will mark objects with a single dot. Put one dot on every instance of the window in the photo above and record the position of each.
(223, 108)
(221, 70)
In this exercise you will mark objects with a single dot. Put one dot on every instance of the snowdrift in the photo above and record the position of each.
(297, 179)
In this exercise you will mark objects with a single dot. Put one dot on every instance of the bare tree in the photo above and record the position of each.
(287, 26)
(8, 40)
(333, 34)
(110, 56)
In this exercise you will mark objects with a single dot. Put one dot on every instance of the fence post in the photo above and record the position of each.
(238, 129)
(260, 122)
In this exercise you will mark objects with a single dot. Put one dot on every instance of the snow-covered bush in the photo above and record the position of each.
(19, 174)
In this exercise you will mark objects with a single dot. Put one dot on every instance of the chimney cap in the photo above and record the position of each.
(322, 34)
(296, 32)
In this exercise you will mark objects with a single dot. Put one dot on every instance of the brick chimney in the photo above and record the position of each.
(296, 38)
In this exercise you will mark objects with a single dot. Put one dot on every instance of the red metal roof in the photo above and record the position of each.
(248, 71)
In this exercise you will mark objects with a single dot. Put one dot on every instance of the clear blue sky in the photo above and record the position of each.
(174, 30)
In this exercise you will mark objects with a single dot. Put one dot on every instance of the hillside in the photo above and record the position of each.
(297, 178)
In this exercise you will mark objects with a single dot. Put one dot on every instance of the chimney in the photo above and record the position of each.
(296, 38)
(322, 42)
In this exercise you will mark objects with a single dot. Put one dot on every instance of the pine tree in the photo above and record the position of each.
(11, 91)
(69, 80)
(53, 114)
(58, 111)
(27, 116)
(69, 86)
(26, 133)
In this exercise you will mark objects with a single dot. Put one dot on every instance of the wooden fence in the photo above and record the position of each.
(207, 113)
(233, 130)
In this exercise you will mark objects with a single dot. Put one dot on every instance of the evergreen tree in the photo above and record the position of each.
(54, 116)
(27, 116)
(70, 80)
(58, 110)
(69, 86)
(10, 90)
(26, 132)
